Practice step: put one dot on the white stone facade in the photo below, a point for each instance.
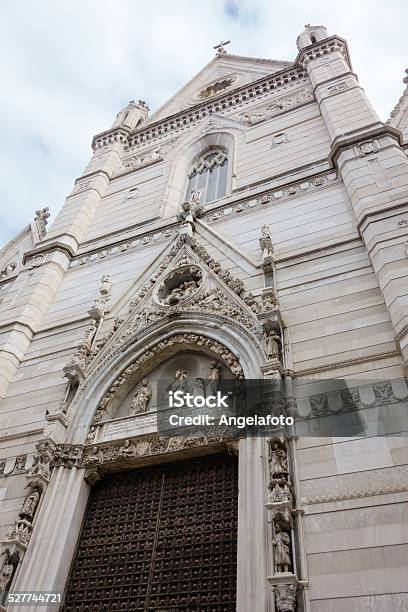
(80, 325)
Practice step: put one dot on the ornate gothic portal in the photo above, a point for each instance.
(160, 539)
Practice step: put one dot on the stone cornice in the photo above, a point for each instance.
(184, 118)
(323, 48)
(117, 134)
(352, 140)
(54, 245)
(224, 212)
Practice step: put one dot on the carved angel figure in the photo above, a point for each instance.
(141, 398)
(281, 543)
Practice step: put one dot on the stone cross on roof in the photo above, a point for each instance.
(220, 46)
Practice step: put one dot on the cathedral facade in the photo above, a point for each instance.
(252, 228)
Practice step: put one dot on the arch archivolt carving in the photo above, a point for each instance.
(154, 355)
(226, 341)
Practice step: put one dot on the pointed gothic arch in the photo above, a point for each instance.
(186, 153)
(211, 334)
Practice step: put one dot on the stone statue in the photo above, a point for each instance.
(141, 398)
(278, 460)
(30, 505)
(5, 576)
(199, 388)
(281, 543)
(90, 332)
(106, 284)
(213, 378)
(180, 381)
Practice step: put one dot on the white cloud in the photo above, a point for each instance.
(68, 67)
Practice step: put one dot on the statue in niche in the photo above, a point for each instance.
(30, 505)
(281, 543)
(278, 460)
(213, 378)
(141, 398)
(180, 382)
(199, 389)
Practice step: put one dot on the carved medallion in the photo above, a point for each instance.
(179, 285)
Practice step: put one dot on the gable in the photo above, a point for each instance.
(224, 73)
(184, 279)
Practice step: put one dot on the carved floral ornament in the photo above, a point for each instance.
(208, 161)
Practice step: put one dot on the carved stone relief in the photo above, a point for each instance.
(280, 506)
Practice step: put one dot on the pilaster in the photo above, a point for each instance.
(374, 169)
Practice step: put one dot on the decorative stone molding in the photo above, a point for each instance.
(98, 455)
(40, 219)
(147, 240)
(67, 455)
(18, 467)
(112, 136)
(235, 284)
(208, 162)
(240, 96)
(226, 211)
(278, 106)
(363, 484)
(270, 198)
(322, 49)
(102, 303)
(147, 158)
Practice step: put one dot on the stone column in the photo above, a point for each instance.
(252, 587)
(374, 169)
(55, 534)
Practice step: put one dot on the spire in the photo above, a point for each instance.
(133, 115)
(311, 35)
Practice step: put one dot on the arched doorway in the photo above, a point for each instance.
(160, 538)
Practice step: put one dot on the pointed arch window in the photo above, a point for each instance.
(209, 176)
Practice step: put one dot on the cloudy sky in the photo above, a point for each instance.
(69, 66)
